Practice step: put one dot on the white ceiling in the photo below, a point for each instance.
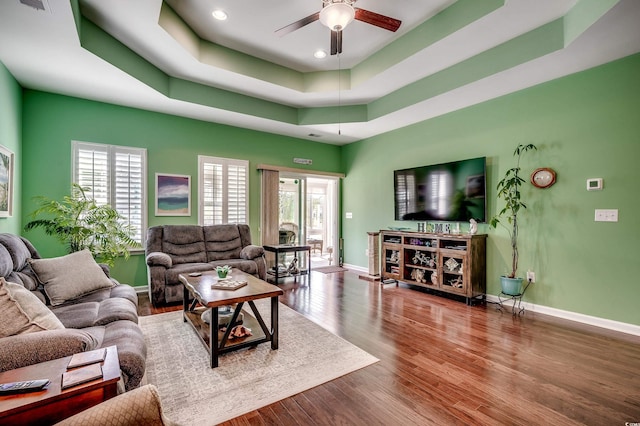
(42, 49)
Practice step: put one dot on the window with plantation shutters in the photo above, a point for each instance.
(116, 175)
(223, 190)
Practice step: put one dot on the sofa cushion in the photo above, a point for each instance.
(123, 291)
(33, 348)
(89, 314)
(246, 266)
(222, 242)
(172, 274)
(20, 250)
(184, 243)
(23, 312)
(15, 253)
(6, 263)
(71, 276)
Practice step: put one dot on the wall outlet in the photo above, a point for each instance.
(366, 252)
(531, 276)
(606, 215)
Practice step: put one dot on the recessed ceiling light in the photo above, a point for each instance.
(220, 15)
(320, 54)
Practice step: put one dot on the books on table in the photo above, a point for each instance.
(228, 284)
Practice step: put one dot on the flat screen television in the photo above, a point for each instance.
(452, 192)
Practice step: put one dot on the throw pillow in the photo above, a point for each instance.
(23, 312)
(71, 276)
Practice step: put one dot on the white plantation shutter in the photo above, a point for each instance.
(223, 190)
(237, 194)
(92, 171)
(128, 194)
(116, 176)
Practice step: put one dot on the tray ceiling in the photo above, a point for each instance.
(173, 57)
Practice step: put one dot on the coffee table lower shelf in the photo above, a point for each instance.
(260, 333)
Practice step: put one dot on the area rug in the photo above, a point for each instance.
(330, 269)
(248, 379)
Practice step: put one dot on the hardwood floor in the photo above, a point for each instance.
(443, 362)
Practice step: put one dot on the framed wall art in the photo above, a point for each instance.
(6, 182)
(173, 195)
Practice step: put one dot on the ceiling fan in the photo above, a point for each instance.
(336, 15)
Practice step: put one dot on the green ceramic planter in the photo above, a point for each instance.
(511, 286)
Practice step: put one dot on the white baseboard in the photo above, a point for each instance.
(143, 289)
(622, 327)
(355, 267)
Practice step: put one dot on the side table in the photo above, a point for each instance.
(53, 404)
(288, 248)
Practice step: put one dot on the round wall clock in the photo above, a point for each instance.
(543, 177)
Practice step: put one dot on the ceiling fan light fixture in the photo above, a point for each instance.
(337, 16)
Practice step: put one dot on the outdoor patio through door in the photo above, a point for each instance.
(308, 215)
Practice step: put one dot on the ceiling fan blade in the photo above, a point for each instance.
(334, 42)
(378, 20)
(298, 24)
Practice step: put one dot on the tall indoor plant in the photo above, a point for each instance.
(509, 190)
(79, 222)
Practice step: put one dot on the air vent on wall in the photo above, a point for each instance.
(36, 4)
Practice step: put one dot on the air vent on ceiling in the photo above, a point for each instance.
(36, 4)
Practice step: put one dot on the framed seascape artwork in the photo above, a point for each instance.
(6, 182)
(173, 195)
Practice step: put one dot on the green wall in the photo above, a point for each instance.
(10, 122)
(173, 144)
(585, 125)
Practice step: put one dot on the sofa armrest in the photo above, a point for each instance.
(32, 348)
(140, 406)
(251, 252)
(105, 269)
(157, 258)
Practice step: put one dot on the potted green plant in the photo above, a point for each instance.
(509, 190)
(223, 271)
(80, 223)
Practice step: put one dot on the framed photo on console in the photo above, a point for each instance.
(6, 182)
(173, 195)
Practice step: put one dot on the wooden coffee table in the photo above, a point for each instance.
(53, 404)
(218, 342)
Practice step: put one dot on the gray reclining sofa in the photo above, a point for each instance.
(105, 314)
(181, 249)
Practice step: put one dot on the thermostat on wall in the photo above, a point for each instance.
(594, 184)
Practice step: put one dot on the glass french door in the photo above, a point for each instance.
(308, 208)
